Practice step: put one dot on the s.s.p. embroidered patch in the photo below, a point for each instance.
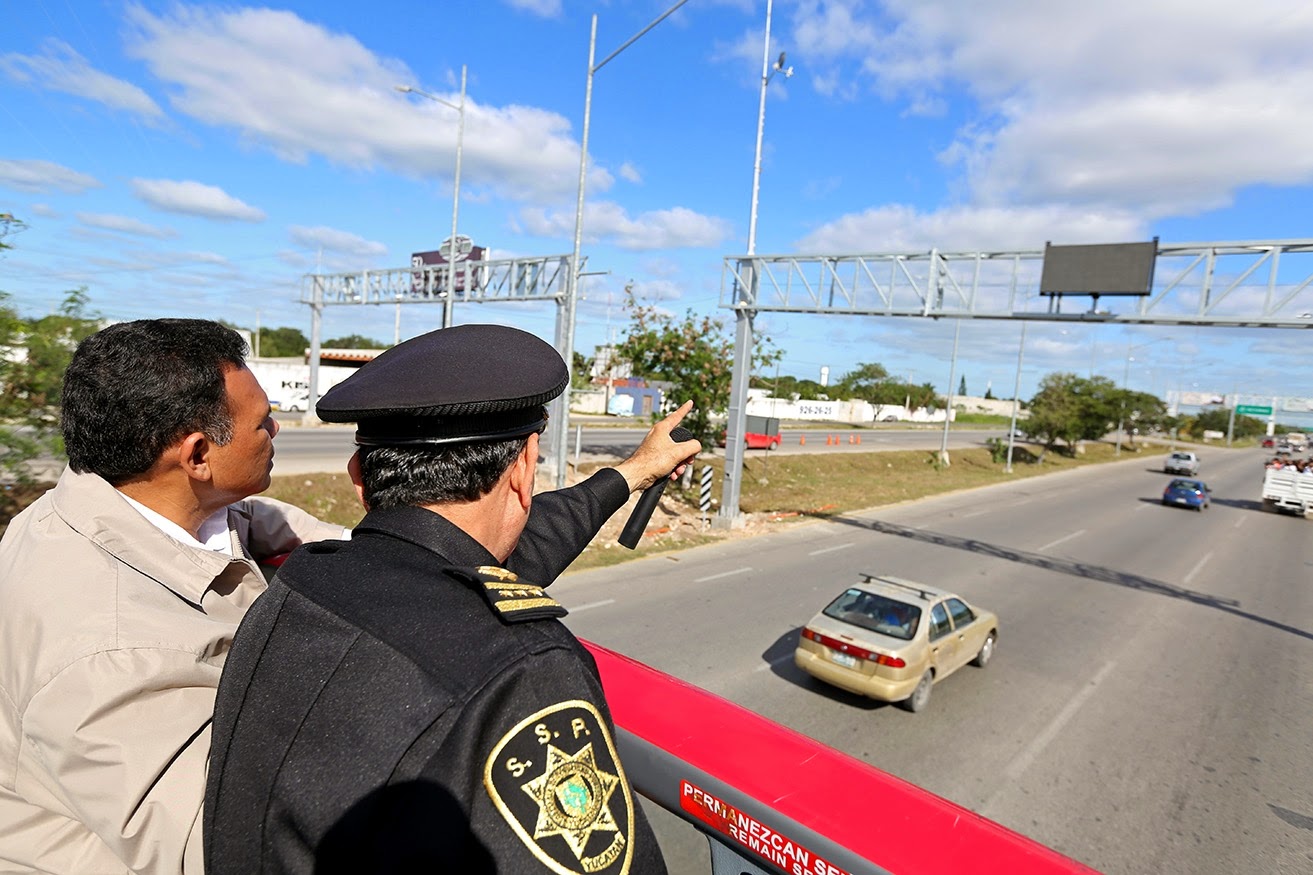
(557, 781)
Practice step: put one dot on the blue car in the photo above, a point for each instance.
(1187, 493)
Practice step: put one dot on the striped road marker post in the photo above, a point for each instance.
(704, 494)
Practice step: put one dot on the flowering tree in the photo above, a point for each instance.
(693, 354)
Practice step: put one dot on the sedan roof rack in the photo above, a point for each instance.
(923, 591)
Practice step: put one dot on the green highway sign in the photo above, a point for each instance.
(1253, 410)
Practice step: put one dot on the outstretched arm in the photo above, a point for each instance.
(562, 522)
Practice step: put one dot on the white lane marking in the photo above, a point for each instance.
(967, 516)
(1240, 522)
(1026, 758)
(1074, 534)
(773, 663)
(722, 574)
(1198, 566)
(600, 604)
(829, 549)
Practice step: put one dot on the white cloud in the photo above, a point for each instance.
(43, 177)
(45, 211)
(125, 225)
(607, 221)
(898, 228)
(335, 241)
(334, 97)
(540, 8)
(630, 173)
(61, 68)
(194, 199)
(1126, 105)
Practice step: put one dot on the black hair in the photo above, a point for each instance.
(407, 477)
(134, 389)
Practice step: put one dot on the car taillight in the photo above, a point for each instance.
(853, 649)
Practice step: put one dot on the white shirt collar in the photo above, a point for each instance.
(213, 532)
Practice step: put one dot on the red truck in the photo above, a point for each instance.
(759, 433)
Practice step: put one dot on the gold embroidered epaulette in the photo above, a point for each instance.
(513, 600)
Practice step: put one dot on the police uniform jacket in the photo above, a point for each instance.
(394, 703)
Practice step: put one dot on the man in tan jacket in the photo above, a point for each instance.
(120, 590)
(122, 587)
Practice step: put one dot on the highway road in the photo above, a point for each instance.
(326, 448)
(1148, 709)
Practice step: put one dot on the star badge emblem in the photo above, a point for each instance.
(556, 780)
(573, 797)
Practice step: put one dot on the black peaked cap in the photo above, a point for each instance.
(460, 384)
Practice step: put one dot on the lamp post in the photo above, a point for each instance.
(455, 196)
(948, 410)
(1126, 388)
(767, 73)
(565, 338)
(1016, 398)
(738, 390)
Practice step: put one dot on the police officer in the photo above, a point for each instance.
(400, 702)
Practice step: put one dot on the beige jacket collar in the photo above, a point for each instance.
(94, 509)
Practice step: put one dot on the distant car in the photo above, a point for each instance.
(1182, 463)
(1269, 443)
(891, 639)
(1187, 493)
(889, 418)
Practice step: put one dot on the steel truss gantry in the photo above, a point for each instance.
(537, 278)
(1247, 284)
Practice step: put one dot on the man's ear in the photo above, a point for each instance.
(353, 471)
(523, 470)
(193, 456)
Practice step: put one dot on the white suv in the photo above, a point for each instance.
(1182, 463)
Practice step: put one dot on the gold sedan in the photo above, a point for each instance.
(891, 639)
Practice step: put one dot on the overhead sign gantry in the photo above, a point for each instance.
(1247, 284)
(536, 278)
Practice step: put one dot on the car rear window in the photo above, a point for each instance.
(875, 613)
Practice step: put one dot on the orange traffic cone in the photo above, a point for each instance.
(802, 439)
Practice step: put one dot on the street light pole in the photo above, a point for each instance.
(565, 328)
(1016, 397)
(736, 411)
(1126, 388)
(455, 196)
(948, 411)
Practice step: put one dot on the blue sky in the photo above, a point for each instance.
(192, 159)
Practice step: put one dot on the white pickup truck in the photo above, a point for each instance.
(1182, 463)
(1286, 489)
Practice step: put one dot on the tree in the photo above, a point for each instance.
(1219, 419)
(580, 369)
(865, 382)
(351, 341)
(962, 386)
(36, 352)
(1069, 408)
(9, 224)
(283, 343)
(693, 354)
(785, 386)
(1140, 411)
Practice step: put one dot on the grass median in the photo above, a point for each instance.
(778, 489)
